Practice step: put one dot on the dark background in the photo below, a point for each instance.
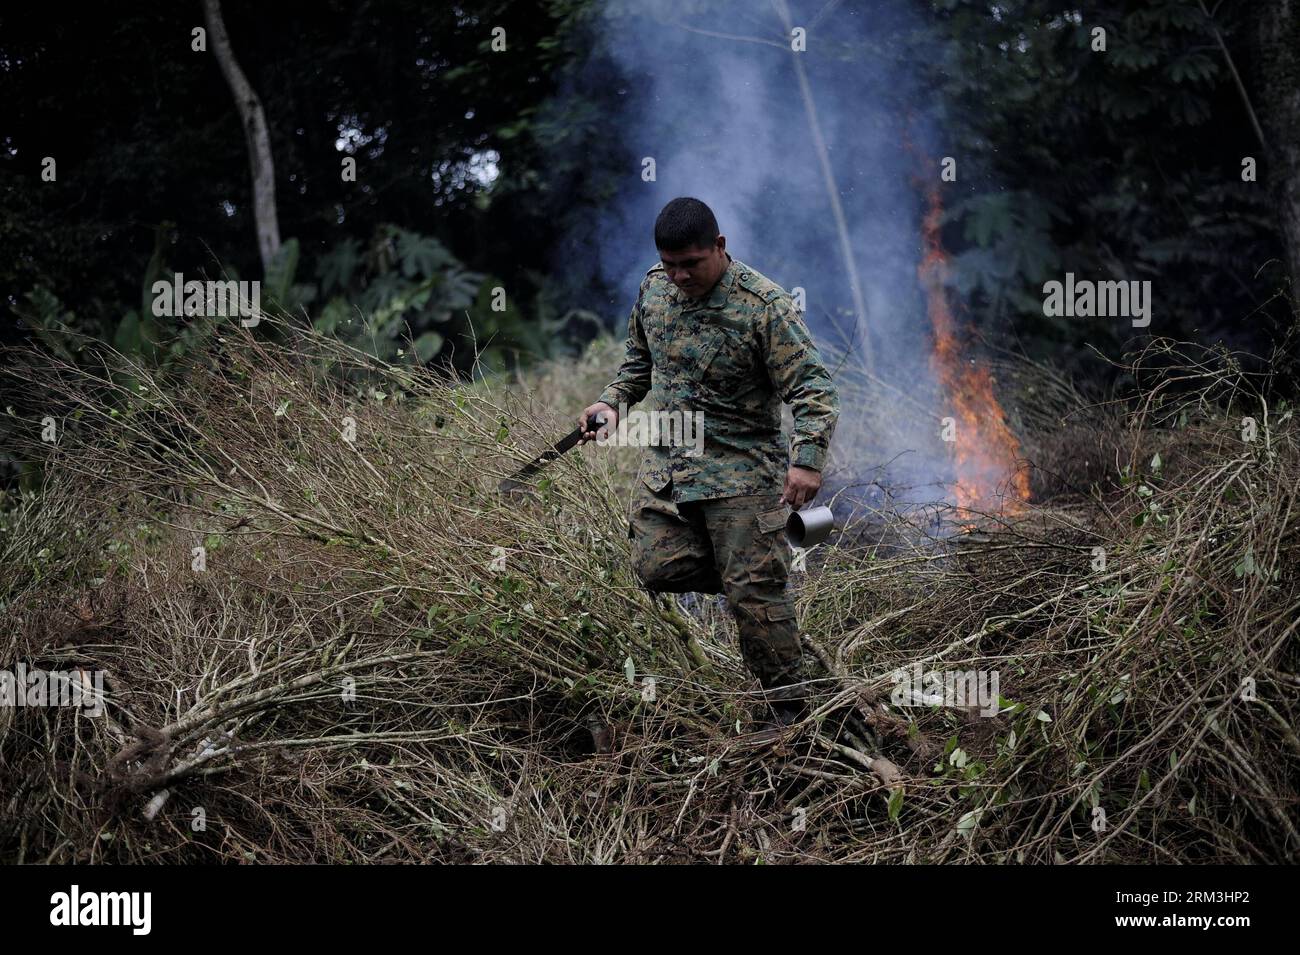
(1122, 165)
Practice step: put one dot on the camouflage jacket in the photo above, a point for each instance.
(731, 359)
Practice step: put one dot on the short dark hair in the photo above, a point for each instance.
(685, 223)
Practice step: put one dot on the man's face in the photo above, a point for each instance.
(695, 271)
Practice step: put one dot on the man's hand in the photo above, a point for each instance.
(587, 423)
(801, 486)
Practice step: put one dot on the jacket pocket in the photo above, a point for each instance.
(781, 612)
(731, 364)
(696, 368)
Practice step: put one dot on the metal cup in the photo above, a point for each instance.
(809, 527)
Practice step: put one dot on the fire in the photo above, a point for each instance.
(985, 454)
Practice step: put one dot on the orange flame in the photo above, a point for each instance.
(985, 454)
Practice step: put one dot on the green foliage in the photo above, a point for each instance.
(443, 128)
(396, 299)
(278, 287)
(142, 337)
(1115, 164)
(406, 297)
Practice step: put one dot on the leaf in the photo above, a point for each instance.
(629, 670)
(335, 268)
(421, 255)
(128, 339)
(427, 346)
(278, 282)
(895, 803)
(1042, 715)
(332, 317)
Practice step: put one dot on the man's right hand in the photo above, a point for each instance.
(586, 422)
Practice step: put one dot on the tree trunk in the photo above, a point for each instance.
(253, 118)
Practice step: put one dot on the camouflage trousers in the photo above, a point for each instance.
(731, 545)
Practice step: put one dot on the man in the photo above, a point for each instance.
(710, 335)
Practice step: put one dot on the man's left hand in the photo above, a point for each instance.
(801, 486)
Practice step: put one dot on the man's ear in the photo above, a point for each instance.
(722, 243)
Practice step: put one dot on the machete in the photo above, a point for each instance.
(515, 481)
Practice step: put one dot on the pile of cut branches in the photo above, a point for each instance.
(325, 637)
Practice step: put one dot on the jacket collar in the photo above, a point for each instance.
(717, 296)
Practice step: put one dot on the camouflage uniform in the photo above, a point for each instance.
(714, 523)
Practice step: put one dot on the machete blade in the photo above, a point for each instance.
(513, 485)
